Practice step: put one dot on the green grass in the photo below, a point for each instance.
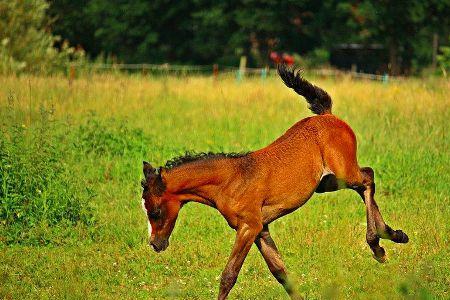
(103, 126)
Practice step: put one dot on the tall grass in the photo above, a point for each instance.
(40, 193)
(102, 126)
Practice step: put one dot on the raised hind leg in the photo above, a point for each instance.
(376, 227)
(362, 181)
(270, 253)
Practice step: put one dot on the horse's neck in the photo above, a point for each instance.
(198, 181)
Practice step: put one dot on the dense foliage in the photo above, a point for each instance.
(26, 45)
(35, 35)
(41, 193)
(205, 31)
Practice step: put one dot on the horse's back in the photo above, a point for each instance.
(312, 138)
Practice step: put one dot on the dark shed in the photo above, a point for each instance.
(372, 58)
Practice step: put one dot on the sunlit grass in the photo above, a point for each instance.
(403, 133)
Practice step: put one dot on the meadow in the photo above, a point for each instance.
(71, 164)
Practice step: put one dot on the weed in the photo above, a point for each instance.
(39, 192)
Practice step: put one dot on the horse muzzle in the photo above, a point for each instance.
(159, 244)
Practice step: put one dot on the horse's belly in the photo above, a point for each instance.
(276, 208)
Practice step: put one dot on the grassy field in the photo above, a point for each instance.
(91, 139)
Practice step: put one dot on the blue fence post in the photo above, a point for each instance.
(239, 75)
(385, 78)
(263, 73)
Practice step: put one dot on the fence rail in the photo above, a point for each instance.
(216, 69)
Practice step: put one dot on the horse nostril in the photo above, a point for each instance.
(154, 246)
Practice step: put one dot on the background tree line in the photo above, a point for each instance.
(207, 32)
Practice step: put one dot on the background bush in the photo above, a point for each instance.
(41, 193)
(26, 44)
(109, 137)
(444, 60)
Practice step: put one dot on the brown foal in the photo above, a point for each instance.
(317, 154)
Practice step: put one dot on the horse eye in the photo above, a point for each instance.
(155, 214)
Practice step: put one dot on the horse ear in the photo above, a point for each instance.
(161, 175)
(159, 184)
(148, 169)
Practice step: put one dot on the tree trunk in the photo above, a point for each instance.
(435, 51)
(393, 58)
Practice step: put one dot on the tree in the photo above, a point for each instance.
(196, 31)
(405, 27)
(207, 31)
(71, 21)
(25, 43)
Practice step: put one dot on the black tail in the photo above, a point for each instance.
(319, 101)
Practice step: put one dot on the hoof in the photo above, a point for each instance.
(400, 237)
(380, 259)
(380, 255)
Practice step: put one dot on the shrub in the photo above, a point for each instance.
(40, 193)
(26, 45)
(110, 137)
(444, 60)
(317, 58)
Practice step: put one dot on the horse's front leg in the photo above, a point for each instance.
(269, 251)
(245, 236)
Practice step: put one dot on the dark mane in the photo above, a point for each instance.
(192, 156)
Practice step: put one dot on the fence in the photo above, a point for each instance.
(215, 70)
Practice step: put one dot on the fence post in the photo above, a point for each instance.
(263, 73)
(242, 65)
(215, 71)
(71, 74)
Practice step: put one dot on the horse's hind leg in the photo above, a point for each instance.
(367, 192)
(354, 180)
(362, 181)
(376, 227)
